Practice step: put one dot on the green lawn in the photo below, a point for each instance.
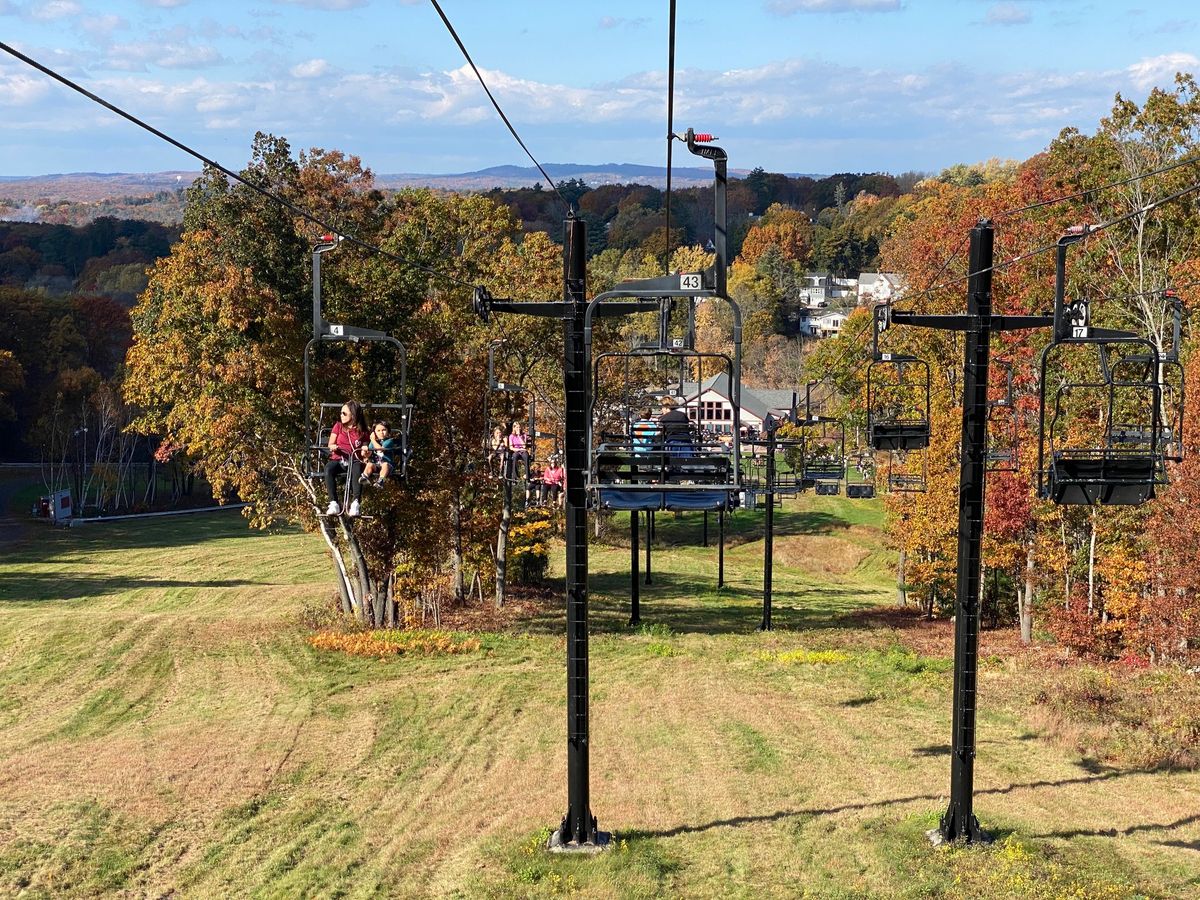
(166, 729)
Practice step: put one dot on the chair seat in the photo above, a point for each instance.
(899, 435)
(1101, 477)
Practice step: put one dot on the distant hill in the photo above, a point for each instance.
(90, 187)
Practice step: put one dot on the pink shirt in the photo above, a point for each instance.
(347, 439)
(553, 475)
(516, 441)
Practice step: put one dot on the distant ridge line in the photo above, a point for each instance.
(94, 186)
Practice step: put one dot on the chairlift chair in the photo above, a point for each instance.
(504, 421)
(789, 456)
(897, 400)
(824, 458)
(1121, 463)
(393, 408)
(1003, 423)
(697, 473)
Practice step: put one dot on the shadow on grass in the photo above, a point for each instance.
(1132, 829)
(46, 544)
(933, 750)
(686, 604)
(25, 587)
(742, 528)
(815, 812)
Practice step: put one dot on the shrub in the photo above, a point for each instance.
(529, 545)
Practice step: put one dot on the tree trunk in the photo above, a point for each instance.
(1025, 603)
(456, 551)
(360, 569)
(343, 582)
(901, 587)
(501, 555)
(1092, 564)
(1062, 528)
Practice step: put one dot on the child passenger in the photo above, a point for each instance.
(381, 450)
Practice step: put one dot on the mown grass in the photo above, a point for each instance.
(165, 727)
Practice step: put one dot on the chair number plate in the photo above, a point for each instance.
(691, 281)
(336, 330)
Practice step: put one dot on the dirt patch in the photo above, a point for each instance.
(935, 637)
(828, 555)
(524, 602)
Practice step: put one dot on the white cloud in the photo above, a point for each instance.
(100, 27)
(1007, 14)
(1160, 70)
(55, 9)
(177, 47)
(835, 123)
(314, 68)
(165, 4)
(788, 7)
(19, 89)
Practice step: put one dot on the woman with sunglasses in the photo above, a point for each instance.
(347, 443)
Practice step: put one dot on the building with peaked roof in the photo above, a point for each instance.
(879, 287)
(710, 404)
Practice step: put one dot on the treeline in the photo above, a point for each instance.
(65, 327)
(108, 256)
(625, 217)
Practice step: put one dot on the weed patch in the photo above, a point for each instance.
(1146, 719)
(385, 644)
(1013, 869)
(802, 657)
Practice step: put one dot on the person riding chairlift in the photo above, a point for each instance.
(347, 450)
(675, 428)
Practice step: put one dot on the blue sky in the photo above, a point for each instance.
(790, 85)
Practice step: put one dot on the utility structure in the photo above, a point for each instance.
(765, 478)
(578, 830)
(1071, 475)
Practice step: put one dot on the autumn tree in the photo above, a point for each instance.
(216, 364)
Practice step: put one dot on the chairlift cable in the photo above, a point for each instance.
(1190, 160)
(302, 213)
(670, 133)
(1090, 230)
(486, 90)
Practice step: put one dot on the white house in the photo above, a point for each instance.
(879, 287)
(827, 324)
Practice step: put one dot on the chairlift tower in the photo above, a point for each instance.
(959, 822)
(1100, 475)
(578, 830)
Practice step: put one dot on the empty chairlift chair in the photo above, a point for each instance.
(898, 389)
(1100, 432)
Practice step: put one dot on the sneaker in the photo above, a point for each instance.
(334, 508)
(381, 482)
(353, 510)
(364, 479)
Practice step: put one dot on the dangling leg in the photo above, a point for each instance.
(354, 486)
(332, 468)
